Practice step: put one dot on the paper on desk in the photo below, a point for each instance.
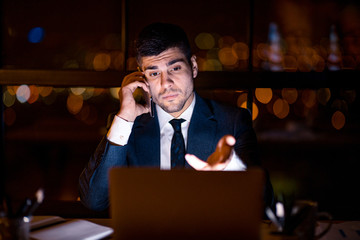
(344, 230)
(73, 230)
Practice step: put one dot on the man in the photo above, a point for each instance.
(140, 136)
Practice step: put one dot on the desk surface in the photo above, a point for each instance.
(339, 229)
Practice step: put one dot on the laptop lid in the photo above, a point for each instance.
(186, 204)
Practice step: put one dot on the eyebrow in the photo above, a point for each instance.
(168, 64)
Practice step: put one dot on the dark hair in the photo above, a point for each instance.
(158, 37)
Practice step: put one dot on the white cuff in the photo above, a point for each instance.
(235, 164)
(119, 131)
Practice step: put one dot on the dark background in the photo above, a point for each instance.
(47, 146)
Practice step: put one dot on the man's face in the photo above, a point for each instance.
(170, 77)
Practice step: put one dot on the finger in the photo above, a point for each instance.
(223, 150)
(134, 85)
(132, 77)
(195, 162)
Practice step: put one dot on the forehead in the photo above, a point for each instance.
(164, 58)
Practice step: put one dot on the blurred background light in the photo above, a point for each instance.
(308, 97)
(77, 90)
(34, 94)
(101, 61)
(205, 41)
(263, 95)
(323, 95)
(23, 93)
(289, 94)
(8, 98)
(74, 103)
(240, 50)
(338, 120)
(36, 35)
(115, 92)
(281, 108)
(227, 56)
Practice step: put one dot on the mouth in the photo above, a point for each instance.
(170, 97)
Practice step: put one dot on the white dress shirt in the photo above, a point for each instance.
(120, 131)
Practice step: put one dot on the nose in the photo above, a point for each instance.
(166, 81)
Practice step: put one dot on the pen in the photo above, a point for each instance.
(24, 208)
(39, 197)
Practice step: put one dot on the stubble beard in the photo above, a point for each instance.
(177, 106)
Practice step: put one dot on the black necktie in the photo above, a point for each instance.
(177, 145)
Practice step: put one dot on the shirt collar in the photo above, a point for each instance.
(165, 117)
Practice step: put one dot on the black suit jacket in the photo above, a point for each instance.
(210, 121)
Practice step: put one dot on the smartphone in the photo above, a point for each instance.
(144, 98)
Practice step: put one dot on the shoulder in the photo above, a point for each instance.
(229, 112)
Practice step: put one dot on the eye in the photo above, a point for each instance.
(177, 68)
(154, 74)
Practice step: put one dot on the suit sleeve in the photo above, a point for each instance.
(93, 181)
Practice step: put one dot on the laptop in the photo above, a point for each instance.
(186, 204)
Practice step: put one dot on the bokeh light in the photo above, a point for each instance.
(74, 103)
(281, 108)
(77, 90)
(115, 92)
(289, 94)
(263, 95)
(212, 65)
(23, 93)
(308, 97)
(36, 35)
(34, 94)
(338, 120)
(205, 41)
(240, 50)
(242, 103)
(101, 61)
(227, 56)
(323, 95)
(8, 98)
(45, 91)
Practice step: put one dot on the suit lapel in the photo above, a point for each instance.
(147, 141)
(202, 130)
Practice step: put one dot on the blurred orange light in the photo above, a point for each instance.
(101, 61)
(323, 95)
(281, 108)
(45, 91)
(255, 110)
(308, 97)
(74, 103)
(34, 94)
(226, 41)
(289, 94)
(240, 50)
(263, 95)
(227, 57)
(338, 120)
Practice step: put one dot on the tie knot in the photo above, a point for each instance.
(176, 124)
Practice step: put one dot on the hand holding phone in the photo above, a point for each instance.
(134, 96)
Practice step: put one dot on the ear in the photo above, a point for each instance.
(194, 66)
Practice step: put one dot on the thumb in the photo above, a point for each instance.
(223, 150)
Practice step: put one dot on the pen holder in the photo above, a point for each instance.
(300, 222)
(14, 228)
